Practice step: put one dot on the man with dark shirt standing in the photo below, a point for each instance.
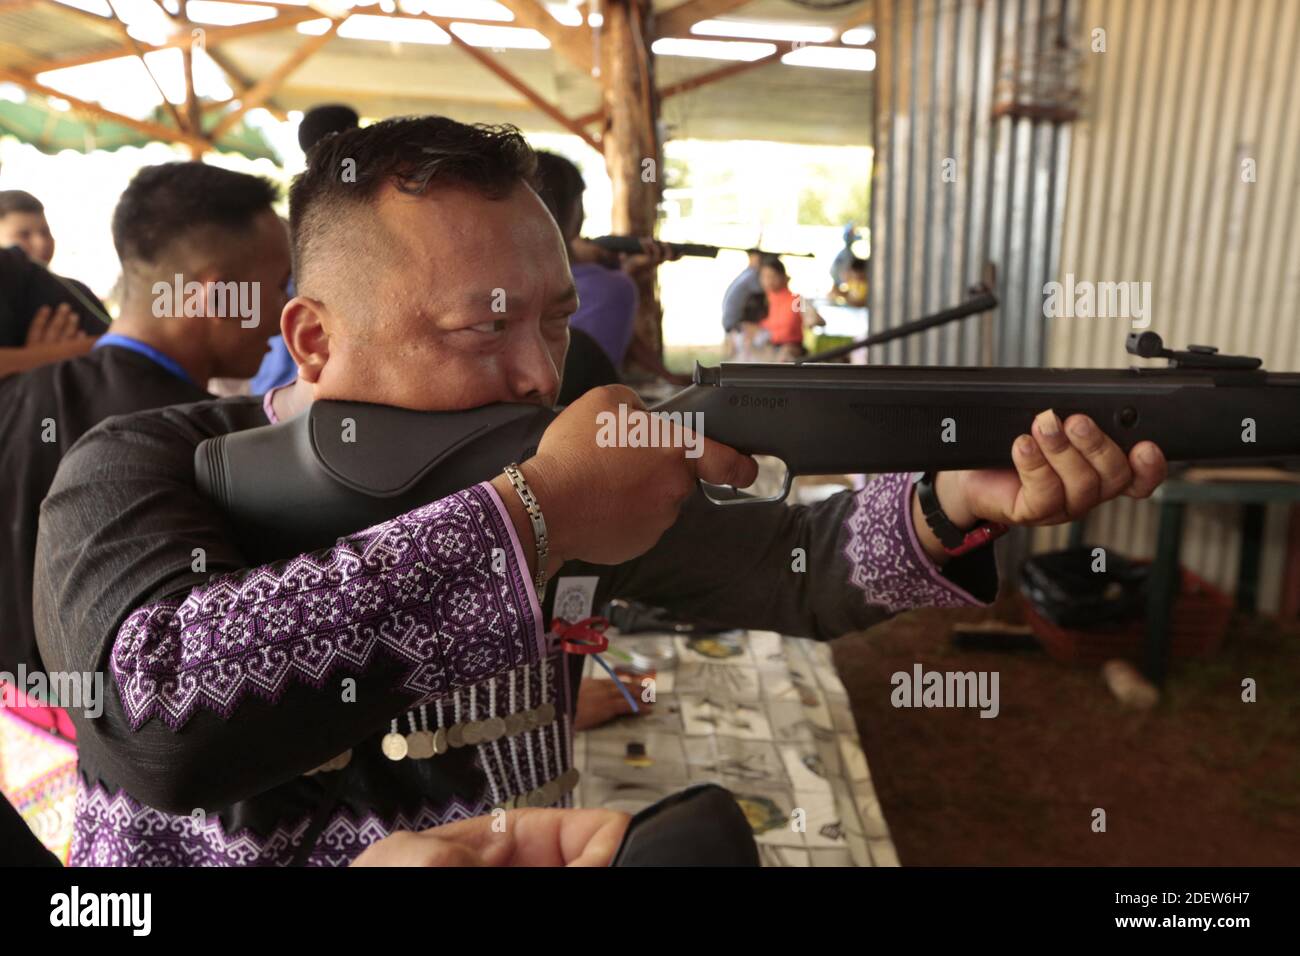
(179, 225)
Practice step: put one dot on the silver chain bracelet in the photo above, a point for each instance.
(534, 510)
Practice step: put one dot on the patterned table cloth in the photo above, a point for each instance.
(764, 716)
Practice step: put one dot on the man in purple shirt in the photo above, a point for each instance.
(608, 307)
(607, 293)
(406, 677)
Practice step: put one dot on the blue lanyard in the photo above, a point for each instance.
(148, 351)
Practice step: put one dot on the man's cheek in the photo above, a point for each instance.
(559, 349)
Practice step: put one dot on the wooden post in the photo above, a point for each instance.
(631, 140)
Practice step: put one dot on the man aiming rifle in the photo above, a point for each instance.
(288, 700)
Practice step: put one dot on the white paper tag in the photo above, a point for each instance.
(574, 598)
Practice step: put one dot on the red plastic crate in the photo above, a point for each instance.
(1198, 624)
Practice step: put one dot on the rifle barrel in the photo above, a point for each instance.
(632, 245)
(985, 301)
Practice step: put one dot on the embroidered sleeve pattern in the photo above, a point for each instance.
(420, 589)
(113, 829)
(886, 560)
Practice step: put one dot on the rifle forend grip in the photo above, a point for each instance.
(841, 419)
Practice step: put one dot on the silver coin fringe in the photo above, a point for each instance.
(522, 748)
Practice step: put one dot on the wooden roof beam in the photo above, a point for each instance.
(526, 91)
(575, 44)
(721, 73)
(238, 82)
(265, 88)
(678, 21)
(139, 50)
(732, 69)
(149, 128)
(8, 5)
(211, 37)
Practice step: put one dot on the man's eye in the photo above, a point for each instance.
(496, 325)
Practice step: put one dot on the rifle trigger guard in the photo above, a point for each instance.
(746, 500)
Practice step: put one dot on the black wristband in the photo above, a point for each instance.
(949, 535)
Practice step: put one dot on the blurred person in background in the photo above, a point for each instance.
(844, 258)
(788, 313)
(23, 224)
(743, 306)
(853, 289)
(278, 367)
(607, 292)
(178, 221)
(43, 317)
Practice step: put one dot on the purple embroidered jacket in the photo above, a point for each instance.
(231, 688)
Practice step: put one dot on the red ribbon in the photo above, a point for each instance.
(977, 538)
(584, 637)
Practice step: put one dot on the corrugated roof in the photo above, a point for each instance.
(32, 34)
(772, 101)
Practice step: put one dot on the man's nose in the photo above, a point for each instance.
(533, 376)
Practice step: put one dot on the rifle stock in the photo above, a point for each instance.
(340, 467)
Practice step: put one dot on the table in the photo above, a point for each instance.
(1251, 488)
(763, 715)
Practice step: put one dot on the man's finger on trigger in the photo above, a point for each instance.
(720, 464)
(1149, 469)
(1107, 459)
(1040, 486)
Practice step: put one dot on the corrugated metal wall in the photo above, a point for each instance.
(953, 187)
(1145, 185)
(1185, 94)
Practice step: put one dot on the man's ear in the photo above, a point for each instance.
(302, 323)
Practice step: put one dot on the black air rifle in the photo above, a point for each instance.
(343, 466)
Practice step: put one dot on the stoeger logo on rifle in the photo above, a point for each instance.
(765, 402)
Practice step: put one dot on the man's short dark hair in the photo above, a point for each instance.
(559, 183)
(16, 200)
(165, 204)
(321, 121)
(348, 171)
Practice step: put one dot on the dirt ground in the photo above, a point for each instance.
(1203, 779)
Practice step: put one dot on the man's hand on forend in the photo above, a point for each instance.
(1061, 474)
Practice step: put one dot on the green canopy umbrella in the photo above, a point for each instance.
(52, 131)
